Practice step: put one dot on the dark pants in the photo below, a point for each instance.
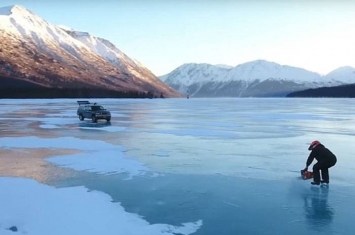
(323, 167)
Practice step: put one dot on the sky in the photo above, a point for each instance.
(315, 35)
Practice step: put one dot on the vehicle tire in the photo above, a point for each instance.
(108, 119)
(81, 117)
(93, 118)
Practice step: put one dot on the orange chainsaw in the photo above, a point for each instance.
(306, 174)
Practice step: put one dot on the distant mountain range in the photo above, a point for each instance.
(253, 79)
(38, 58)
(37, 54)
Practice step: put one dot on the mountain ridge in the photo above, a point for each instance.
(254, 78)
(33, 50)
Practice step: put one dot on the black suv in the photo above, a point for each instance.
(93, 111)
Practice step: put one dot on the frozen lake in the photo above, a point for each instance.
(175, 166)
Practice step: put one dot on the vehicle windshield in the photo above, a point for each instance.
(96, 108)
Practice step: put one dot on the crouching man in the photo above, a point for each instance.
(325, 160)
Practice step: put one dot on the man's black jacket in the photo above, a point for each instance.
(322, 155)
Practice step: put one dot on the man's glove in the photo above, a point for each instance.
(306, 169)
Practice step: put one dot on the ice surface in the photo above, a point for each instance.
(98, 157)
(39, 209)
(224, 166)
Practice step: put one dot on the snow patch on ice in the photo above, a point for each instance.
(35, 208)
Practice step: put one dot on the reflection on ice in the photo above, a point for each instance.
(101, 126)
(24, 162)
(98, 156)
(318, 213)
(98, 124)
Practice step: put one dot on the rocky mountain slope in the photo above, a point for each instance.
(34, 52)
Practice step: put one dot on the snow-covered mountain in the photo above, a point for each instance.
(341, 76)
(253, 79)
(112, 54)
(36, 52)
